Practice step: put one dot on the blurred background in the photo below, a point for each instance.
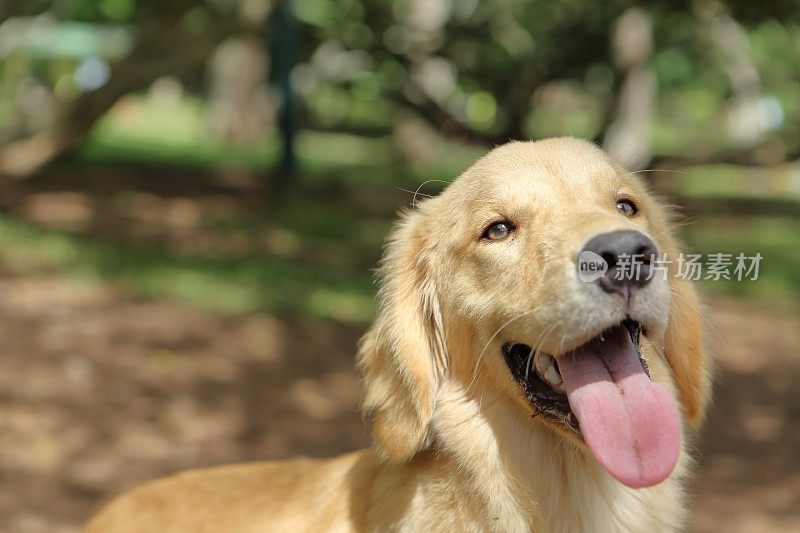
(193, 195)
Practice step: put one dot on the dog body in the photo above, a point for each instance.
(464, 440)
(358, 492)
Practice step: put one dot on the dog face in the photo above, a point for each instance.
(513, 228)
(485, 279)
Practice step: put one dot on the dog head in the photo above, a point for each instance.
(551, 269)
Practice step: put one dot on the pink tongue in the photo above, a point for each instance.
(630, 423)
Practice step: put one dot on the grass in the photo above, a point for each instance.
(141, 130)
(230, 285)
(733, 180)
(774, 238)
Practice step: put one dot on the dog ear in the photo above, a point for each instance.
(685, 343)
(402, 356)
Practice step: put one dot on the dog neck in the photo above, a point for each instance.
(526, 477)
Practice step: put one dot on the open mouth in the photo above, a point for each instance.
(540, 378)
(602, 391)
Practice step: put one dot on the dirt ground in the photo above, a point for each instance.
(99, 392)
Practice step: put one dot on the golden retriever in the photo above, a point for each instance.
(508, 389)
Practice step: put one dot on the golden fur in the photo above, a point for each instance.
(456, 446)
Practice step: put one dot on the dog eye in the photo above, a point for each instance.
(498, 231)
(627, 208)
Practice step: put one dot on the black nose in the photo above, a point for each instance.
(630, 256)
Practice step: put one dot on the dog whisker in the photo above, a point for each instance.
(661, 170)
(528, 363)
(417, 192)
(489, 342)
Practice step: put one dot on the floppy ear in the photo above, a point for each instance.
(402, 356)
(684, 343)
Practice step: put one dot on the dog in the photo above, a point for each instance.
(512, 384)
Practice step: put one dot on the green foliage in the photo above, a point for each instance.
(475, 68)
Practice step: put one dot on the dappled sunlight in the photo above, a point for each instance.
(194, 198)
(210, 246)
(120, 391)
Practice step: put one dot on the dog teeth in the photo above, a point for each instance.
(546, 369)
(553, 378)
(542, 361)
